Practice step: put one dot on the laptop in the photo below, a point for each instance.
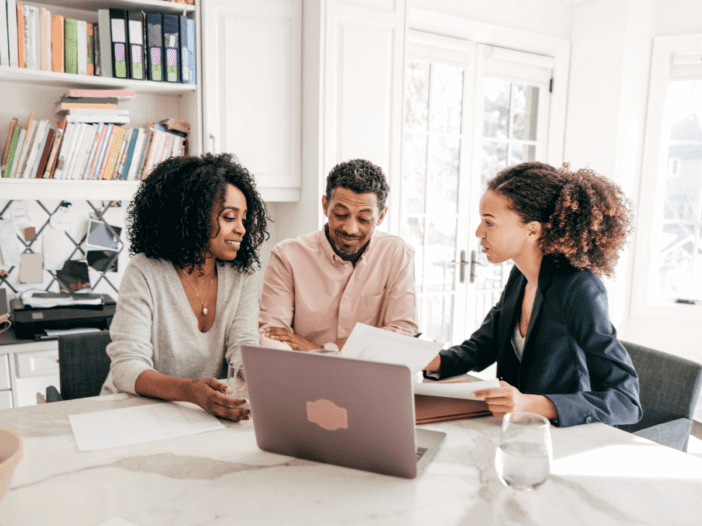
(342, 411)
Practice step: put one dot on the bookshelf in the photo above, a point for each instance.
(26, 91)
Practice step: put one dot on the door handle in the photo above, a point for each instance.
(463, 263)
(473, 263)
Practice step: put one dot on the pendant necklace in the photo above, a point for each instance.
(209, 289)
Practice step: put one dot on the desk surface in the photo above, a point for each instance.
(600, 476)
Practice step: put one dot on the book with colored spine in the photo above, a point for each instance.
(71, 53)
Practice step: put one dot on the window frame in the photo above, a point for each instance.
(652, 184)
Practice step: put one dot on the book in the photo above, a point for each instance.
(123, 153)
(69, 171)
(98, 112)
(32, 170)
(20, 34)
(118, 35)
(90, 100)
(99, 165)
(39, 172)
(135, 36)
(113, 152)
(83, 151)
(38, 135)
(12, 32)
(18, 149)
(116, 119)
(144, 153)
(53, 156)
(25, 141)
(192, 51)
(176, 125)
(96, 50)
(10, 132)
(11, 150)
(94, 157)
(154, 46)
(135, 158)
(92, 93)
(90, 55)
(63, 106)
(68, 137)
(183, 43)
(81, 47)
(57, 38)
(93, 149)
(71, 45)
(31, 37)
(4, 43)
(45, 38)
(171, 38)
(105, 42)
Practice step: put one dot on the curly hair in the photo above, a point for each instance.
(170, 216)
(585, 217)
(360, 176)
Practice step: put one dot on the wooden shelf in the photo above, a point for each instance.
(94, 5)
(68, 80)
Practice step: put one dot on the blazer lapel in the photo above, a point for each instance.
(509, 372)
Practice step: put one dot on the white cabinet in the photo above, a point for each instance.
(252, 88)
(27, 368)
(24, 91)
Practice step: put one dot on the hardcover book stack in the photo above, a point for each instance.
(89, 143)
(126, 44)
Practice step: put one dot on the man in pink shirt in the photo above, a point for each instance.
(318, 286)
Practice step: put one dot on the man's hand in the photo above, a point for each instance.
(507, 399)
(210, 394)
(296, 342)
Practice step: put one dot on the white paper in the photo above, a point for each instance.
(379, 345)
(8, 244)
(453, 388)
(134, 425)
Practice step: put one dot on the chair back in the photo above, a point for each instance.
(668, 386)
(83, 363)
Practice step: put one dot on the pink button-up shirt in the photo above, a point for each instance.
(309, 288)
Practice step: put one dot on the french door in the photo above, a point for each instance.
(469, 111)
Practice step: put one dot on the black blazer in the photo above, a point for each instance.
(571, 352)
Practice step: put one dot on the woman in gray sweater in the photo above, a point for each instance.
(188, 299)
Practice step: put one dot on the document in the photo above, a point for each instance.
(135, 425)
(379, 345)
(454, 387)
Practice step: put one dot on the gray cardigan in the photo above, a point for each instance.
(154, 326)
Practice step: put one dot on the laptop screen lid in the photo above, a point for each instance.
(353, 413)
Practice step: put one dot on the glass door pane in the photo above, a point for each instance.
(433, 127)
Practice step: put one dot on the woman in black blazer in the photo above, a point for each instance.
(556, 350)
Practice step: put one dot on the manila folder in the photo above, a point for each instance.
(428, 409)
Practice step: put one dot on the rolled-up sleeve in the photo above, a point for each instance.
(277, 306)
(131, 350)
(401, 300)
(243, 328)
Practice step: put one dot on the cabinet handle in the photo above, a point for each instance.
(212, 143)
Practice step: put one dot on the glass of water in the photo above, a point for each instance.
(235, 379)
(523, 457)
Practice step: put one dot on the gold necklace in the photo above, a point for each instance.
(209, 292)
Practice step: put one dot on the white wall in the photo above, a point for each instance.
(543, 17)
(610, 72)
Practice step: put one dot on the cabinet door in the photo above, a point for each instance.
(252, 88)
(362, 57)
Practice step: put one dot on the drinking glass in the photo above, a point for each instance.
(235, 379)
(523, 457)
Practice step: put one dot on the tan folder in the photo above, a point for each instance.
(428, 409)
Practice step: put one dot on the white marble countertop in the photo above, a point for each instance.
(600, 476)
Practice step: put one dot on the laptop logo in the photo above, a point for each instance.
(327, 415)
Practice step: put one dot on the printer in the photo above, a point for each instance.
(49, 310)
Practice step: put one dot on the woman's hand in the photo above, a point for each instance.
(508, 399)
(210, 394)
(434, 365)
(297, 343)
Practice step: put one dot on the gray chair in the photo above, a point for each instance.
(83, 365)
(669, 386)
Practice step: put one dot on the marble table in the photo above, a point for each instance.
(601, 476)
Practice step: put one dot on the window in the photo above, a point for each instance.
(669, 227)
